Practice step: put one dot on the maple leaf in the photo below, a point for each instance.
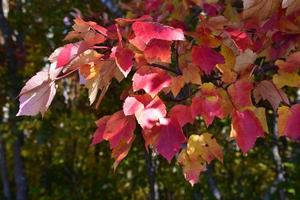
(207, 104)
(244, 60)
(119, 127)
(191, 168)
(158, 51)
(89, 31)
(191, 74)
(292, 63)
(182, 113)
(260, 9)
(266, 90)
(101, 125)
(291, 5)
(152, 81)
(69, 52)
(245, 128)
(170, 137)
(201, 149)
(206, 58)
(240, 93)
(286, 79)
(147, 111)
(37, 95)
(289, 121)
(177, 83)
(146, 31)
(240, 38)
(205, 146)
(124, 59)
(228, 75)
(121, 151)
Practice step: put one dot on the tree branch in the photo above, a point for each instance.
(165, 68)
(280, 178)
(212, 183)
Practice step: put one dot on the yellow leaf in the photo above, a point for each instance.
(286, 79)
(204, 146)
(283, 114)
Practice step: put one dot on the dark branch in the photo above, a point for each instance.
(165, 68)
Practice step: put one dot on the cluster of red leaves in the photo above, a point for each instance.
(232, 62)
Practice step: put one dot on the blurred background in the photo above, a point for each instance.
(51, 157)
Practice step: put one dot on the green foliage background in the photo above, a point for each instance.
(58, 158)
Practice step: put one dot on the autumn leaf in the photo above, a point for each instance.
(246, 128)
(205, 146)
(266, 90)
(146, 31)
(170, 138)
(286, 79)
(201, 149)
(158, 51)
(69, 52)
(191, 168)
(244, 60)
(289, 121)
(101, 125)
(206, 58)
(292, 63)
(37, 95)
(182, 113)
(240, 93)
(207, 104)
(177, 83)
(124, 59)
(147, 111)
(260, 9)
(151, 81)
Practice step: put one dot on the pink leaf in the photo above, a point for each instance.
(146, 31)
(124, 59)
(182, 113)
(147, 111)
(37, 95)
(246, 127)
(170, 138)
(98, 135)
(151, 81)
(119, 127)
(69, 52)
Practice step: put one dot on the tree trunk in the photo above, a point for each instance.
(4, 172)
(14, 82)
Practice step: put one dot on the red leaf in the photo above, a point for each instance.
(151, 81)
(182, 113)
(207, 104)
(170, 138)
(246, 128)
(147, 111)
(146, 31)
(98, 135)
(240, 93)
(240, 38)
(206, 58)
(119, 127)
(69, 52)
(124, 59)
(291, 124)
(158, 51)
